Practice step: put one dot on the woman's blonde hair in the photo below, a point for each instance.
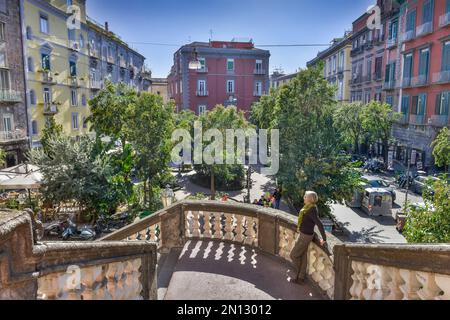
(312, 196)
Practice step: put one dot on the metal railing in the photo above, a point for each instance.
(50, 109)
(441, 77)
(407, 82)
(419, 81)
(389, 85)
(202, 93)
(202, 70)
(74, 45)
(409, 35)
(47, 77)
(440, 120)
(418, 119)
(259, 71)
(6, 136)
(10, 96)
(424, 29)
(391, 42)
(444, 20)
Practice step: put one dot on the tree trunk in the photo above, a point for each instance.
(145, 194)
(356, 145)
(385, 151)
(213, 185)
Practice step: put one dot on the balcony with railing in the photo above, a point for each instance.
(407, 82)
(110, 60)
(94, 53)
(96, 84)
(258, 93)
(74, 45)
(355, 51)
(259, 72)
(191, 249)
(417, 119)
(440, 120)
(10, 96)
(377, 76)
(424, 29)
(123, 63)
(48, 78)
(12, 136)
(409, 35)
(367, 78)
(50, 109)
(391, 43)
(202, 93)
(441, 77)
(403, 119)
(444, 20)
(73, 81)
(389, 85)
(202, 70)
(420, 81)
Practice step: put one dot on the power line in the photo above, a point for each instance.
(261, 45)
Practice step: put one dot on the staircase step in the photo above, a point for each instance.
(166, 266)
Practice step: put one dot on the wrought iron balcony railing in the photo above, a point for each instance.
(50, 109)
(10, 96)
(202, 93)
(420, 81)
(440, 120)
(8, 136)
(424, 29)
(409, 35)
(417, 119)
(441, 77)
(444, 20)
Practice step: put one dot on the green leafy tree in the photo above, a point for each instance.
(223, 118)
(51, 131)
(2, 157)
(348, 120)
(310, 144)
(111, 110)
(86, 172)
(378, 120)
(441, 149)
(430, 224)
(150, 136)
(263, 112)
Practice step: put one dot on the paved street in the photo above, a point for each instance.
(358, 225)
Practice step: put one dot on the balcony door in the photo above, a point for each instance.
(201, 87)
(47, 96)
(8, 124)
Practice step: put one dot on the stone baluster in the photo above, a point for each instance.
(429, 289)
(394, 284)
(89, 277)
(250, 231)
(114, 274)
(359, 280)
(153, 233)
(239, 234)
(377, 283)
(443, 282)
(228, 227)
(195, 224)
(217, 226)
(207, 234)
(48, 287)
(131, 280)
(410, 285)
(144, 234)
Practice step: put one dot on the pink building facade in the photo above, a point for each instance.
(231, 73)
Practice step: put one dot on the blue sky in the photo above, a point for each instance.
(265, 21)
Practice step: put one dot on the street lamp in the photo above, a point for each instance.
(167, 196)
(408, 156)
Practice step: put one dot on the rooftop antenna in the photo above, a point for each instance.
(210, 34)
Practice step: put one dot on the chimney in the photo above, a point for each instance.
(106, 26)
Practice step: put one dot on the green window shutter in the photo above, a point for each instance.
(405, 104)
(446, 103)
(446, 56)
(423, 62)
(411, 21)
(447, 8)
(387, 75)
(408, 66)
(393, 72)
(422, 104)
(437, 110)
(427, 13)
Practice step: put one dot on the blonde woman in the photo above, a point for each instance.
(308, 219)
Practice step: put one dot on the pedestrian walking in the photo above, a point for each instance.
(277, 195)
(308, 219)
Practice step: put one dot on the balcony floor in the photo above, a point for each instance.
(220, 271)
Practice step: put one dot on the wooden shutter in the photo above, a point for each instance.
(437, 110)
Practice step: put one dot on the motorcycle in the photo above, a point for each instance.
(72, 232)
(374, 166)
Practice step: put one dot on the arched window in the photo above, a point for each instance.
(29, 33)
(32, 97)
(34, 127)
(81, 41)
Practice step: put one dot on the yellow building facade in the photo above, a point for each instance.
(57, 65)
(337, 66)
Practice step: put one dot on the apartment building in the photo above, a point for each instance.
(425, 79)
(159, 86)
(110, 58)
(13, 111)
(231, 73)
(337, 65)
(278, 79)
(368, 49)
(68, 62)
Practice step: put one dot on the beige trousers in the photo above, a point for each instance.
(299, 255)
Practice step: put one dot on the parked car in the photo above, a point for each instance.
(378, 183)
(420, 184)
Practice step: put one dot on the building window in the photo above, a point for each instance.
(44, 24)
(2, 58)
(34, 127)
(427, 11)
(390, 100)
(419, 104)
(342, 61)
(202, 62)
(230, 65)
(405, 105)
(81, 41)
(443, 103)
(47, 96)
(32, 97)
(73, 68)
(334, 64)
(4, 80)
(446, 57)
(181, 86)
(74, 98)
(45, 62)
(75, 121)
(201, 87)
(258, 88)
(230, 86)
(202, 109)
(29, 33)
(2, 31)
(83, 100)
(259, 66)
(30, 64)
(69, 3)
(378, 67)
(84, 123)
(393, 30)
(411, 21)
(8, 123)
(424, 61)
(408, 68)
(3, 6)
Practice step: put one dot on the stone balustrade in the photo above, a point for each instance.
(271, 231)
(72, 270)
(392, 272)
